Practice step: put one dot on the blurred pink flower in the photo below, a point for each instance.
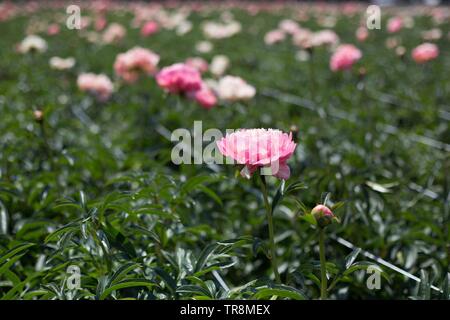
(362, 34)
(114, 33)
(131, 64)
(425, 52)
(274, 36)
(100, 85)
(179, 78)
(344, 57)
(394, 24)
(324, 37)
(149, 28)
(53, 29)
(198, 63)
(289, 26)
(100, 23)
(204, 96)
(256, 148)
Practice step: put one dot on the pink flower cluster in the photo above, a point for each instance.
(149, 28)
(257, 148)
(394, 24)
(131, 64)
(181, 78)
(344, 57)
(100, 85)
(425, 52)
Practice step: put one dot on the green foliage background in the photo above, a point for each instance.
(93, 185)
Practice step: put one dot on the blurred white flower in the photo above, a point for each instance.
(32, 43)
(302, 55)
(204, 46)
(217, 30)
(58, 63)
(183, 28)
(219, 65)
(231, 88)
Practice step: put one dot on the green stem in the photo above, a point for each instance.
(323, 268)
(273, 257)
(312, 76)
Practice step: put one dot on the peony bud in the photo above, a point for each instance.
(323, 215)
(38, 115)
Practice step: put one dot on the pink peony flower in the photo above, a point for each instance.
(394, 24)
(324, 37)
(53, 29)
(149, 28)
(344, 57)
(274, 36)
(100, 23)
(100, 85)
(114, 33)
(425, 52)
(131, 64)
(198, 63)
(257, 148)
(179, 78)
(362, 34)
(204, 96)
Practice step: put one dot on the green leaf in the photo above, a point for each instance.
(121, 272)
(12, 252)
(3, 219)
(280, 291)
(424, 286)
(204, 255)
(194, 289)
(352, 257)
(128, 283)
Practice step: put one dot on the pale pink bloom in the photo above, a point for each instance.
(344, 57)
(100, 23)
(53, 29)
(324, 37)
(274, 36)
(58, 63)
(100, 85)
(289, 26)
(114, 33)
(204, 96)
(204, 46)
(303, 38)
(131, 64)
(230, 88)
(149, 28)
(179, 78)
(256, 148)
(394, 24)
(392, 42)
(425, 52)
(433, 34)
(219, 65)
(362, 34)
(198, 63)
(217, 30)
